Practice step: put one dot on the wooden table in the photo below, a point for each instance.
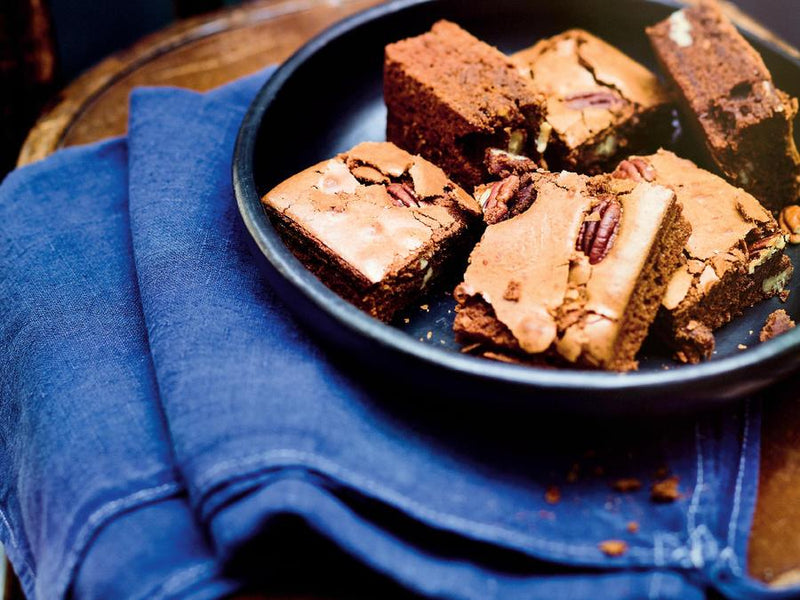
(205, 52)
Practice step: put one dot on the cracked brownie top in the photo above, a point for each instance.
(375, 206)
(591, 88)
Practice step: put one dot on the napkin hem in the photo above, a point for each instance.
(97, 519)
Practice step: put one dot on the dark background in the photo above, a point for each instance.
(88, 30)
(45, 44)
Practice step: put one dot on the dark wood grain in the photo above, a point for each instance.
(204, 52)
(27, 71)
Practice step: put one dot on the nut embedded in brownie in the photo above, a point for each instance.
(601, 104)
(734, 257)
(577, 278)
(730, 100)
(451, 96)
(376, 224)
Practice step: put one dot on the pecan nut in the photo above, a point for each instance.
(790, 222)
(594, 99)
(599, 230)
(763, 243)
(637, 169)
(495, 208)
(502, 164)
(402, 194)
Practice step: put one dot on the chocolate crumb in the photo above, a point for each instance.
(632, 526)
(552, 495)
(662, 472)
(778, 322)
(665, 490)
(574, 472)
(625, 485)
(512, 292)
(613, 547)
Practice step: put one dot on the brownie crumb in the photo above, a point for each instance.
(777, 323)
(552, 495)
(629, 484)
(574, 473)
(665, 490)
(613, 547)
(662, 472)
(632, 527)
(512, 291)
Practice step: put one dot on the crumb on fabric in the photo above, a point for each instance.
(665, 490)
(552, 495)
(613, 547)
(627, 484)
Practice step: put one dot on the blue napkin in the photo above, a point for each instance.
(451, 501)
(89, 485)
(115, 327)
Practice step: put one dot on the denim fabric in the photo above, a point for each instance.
(82, 437)
(155, 392)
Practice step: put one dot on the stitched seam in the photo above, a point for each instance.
(737, 494)
(102, 514)
(176, 582)
(328, 467)
(655, 586)
(699, 481)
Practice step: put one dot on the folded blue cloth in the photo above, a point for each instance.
(264, 428)
(89, 484)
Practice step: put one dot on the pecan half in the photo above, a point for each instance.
(403, 194)
(502, 164)
(765, 242)
(496, 206)
(790, 222)
(595, 99)
(636, 169)
(599, 230)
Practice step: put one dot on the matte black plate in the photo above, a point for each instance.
(328, 97)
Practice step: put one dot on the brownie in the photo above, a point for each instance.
(375, 224)
(577, 278)
(450, 97)
(734, 257)
(730, 100)
(601, 104)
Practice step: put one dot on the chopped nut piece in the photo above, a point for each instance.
(613, 547)
(777, 323)
(552, 495)
(742, 347)
(665, 490)
(783, 295)
(512, 291)
(790, 222)
(632, 526)
(630, 484)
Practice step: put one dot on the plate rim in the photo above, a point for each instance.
(266, 238)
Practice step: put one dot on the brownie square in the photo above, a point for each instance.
(375, 224)
(450, 97)
(601, 104)
(734, 257)
(577, 278)
(730, 100)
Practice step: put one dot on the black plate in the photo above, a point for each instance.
(328, 97)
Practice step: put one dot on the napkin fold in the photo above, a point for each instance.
(159, 401)
(89, 484)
